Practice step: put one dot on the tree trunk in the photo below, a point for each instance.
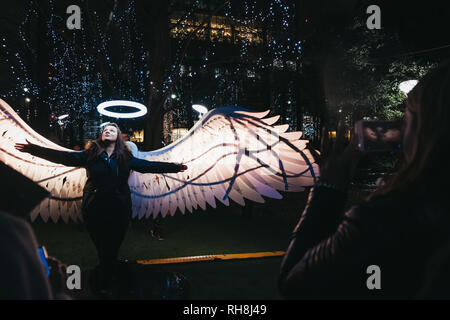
(159, 59)
(41, 121)
(299, 12)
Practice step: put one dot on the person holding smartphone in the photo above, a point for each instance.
(331, 253)
(106, 204)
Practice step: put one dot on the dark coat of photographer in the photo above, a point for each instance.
(335, 255)
(22, 274)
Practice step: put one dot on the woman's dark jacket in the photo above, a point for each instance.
(329, 254)
(104, 175)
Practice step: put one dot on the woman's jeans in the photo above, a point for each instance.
(107, 220)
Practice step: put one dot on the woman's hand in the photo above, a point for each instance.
(25, 147)
(338, 163)
(182, 167)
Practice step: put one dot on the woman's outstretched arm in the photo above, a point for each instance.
(67, 158)
(145, 166)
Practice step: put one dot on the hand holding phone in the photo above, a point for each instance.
(339, 159)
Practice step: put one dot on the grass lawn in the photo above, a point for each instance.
(215, 231)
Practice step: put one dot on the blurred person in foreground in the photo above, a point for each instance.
(397, 229)
(22, 273)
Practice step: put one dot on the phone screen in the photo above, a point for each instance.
(379, 136)
(43, 256)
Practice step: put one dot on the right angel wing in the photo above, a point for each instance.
(64, 183)
(231, 153)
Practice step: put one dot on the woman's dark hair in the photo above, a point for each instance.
(97, 147)
(428, 168)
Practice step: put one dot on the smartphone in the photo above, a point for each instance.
(379, 136)
(43, 256)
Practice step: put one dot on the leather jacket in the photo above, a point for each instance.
(329, 254)
(104, 176)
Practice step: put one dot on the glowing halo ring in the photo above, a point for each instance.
(101, 108)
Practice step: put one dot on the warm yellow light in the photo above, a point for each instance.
(137, 136)
(178, 133)
(332, 134)
(218, 30)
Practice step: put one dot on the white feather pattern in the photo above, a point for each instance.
(47, 174)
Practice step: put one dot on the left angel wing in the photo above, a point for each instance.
(232, 152)
(65, 184)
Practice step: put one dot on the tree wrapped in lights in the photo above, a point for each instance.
(262, 38)
(127, 50)
(70, 72)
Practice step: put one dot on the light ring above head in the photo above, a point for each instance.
(101, 108)
(200, 108)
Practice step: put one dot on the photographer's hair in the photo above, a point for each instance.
(97, 147)
(428, 167)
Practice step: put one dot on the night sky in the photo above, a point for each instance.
(421, 26)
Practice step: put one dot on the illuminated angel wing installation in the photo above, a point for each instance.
(65, 184)
(231, 153)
